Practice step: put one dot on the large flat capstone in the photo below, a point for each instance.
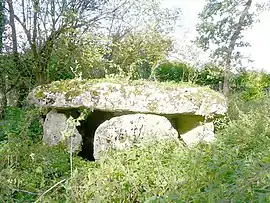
(136, 96)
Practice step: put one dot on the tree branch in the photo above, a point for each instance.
(27, 32)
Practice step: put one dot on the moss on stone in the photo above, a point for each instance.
(73, 88)
(39, 94)
(72, 94)
(153, 106)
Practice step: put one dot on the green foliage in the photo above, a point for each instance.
(252, 84)
(221, 32)
(29, 169)
(79, 44)
(175, 71)
(249, 85)
(210, 75)
(80, 57)
(236, 168)
(136, 55)
(25, 163)
(21, 124)
(2, 25)
(225, 30)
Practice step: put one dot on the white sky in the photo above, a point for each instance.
(258, 36)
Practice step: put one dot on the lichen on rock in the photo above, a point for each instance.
(136, 96)
(55, 127)
(189, 108)
(123, 132)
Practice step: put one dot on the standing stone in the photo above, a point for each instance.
(123, 132)
(204, 132)
(55, 127)
(193, 129)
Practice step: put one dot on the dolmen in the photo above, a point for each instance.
(123, 114)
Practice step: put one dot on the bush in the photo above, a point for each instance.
(236, 168)
(251, 84)
(21, 124)
(28, 167)
(175, 71)
(210, 75)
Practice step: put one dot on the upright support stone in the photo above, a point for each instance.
(55, 126)
(123, 132)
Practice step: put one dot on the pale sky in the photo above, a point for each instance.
(258, 36)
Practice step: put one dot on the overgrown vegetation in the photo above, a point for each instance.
(236, 168)
(129, 39)
(248, 84)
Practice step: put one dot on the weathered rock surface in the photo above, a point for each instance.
(123, 132)
(55, 128)
(139, 97)
(193, 129)
(135, 111)
(204, 132)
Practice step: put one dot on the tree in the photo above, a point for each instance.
(2, 25)
(137, 15)
(138, 54)
(44, 23)
(141, 29)
(221, 28)
(3, 100)
(263, 6)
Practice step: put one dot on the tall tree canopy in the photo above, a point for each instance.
(221, 31)
(44, 24)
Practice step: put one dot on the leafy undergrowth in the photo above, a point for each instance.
(234, 169)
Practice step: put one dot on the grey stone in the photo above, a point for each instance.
(56, 128)
(191, 109)
(138, 97)
(123, 132)
(193, 129)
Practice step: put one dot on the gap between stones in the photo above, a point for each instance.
(88, 127)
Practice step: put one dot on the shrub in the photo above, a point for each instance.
(20, 124)
(236, 168)
(251, 84)
(28, 167)
(175, 71)
(210, 75)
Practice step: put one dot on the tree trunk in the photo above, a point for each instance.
(15, 53)
(235, 36)
(2, 25)
(13, 28)
(13, 34)
(3, 98)
(226, 82)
